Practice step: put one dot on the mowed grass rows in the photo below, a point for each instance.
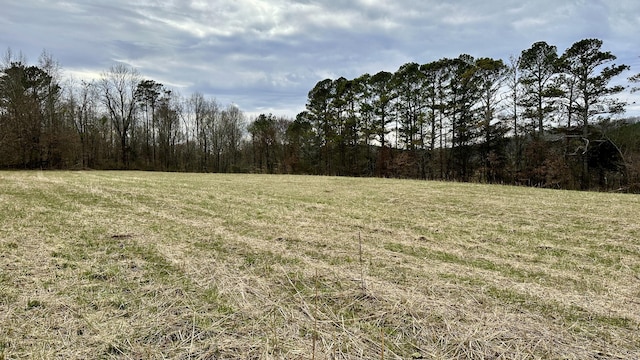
(203, 266)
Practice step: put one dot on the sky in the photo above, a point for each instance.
(265, 55)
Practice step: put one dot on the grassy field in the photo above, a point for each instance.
(137, 265)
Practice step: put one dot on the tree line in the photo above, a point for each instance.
(121, 121)
(541, 119)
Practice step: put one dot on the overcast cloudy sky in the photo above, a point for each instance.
(265, 55)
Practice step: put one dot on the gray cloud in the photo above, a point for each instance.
(265, 55)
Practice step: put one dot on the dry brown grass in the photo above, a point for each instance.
(140, 265)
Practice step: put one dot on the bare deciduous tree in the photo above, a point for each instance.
(118, 85)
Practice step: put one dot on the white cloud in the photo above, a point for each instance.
(267, 54)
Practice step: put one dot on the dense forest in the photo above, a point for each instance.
(539, 119)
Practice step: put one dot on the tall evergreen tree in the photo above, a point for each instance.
(491, 76)
(437, 76)
(147, 95)
(408, 84)
(592, 69)
(463, 95)
(26, 96)
(265, 142)
(539, 67)
(322, 115)
(382, 103)
(301, 156)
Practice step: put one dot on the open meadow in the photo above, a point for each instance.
(141, 265)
